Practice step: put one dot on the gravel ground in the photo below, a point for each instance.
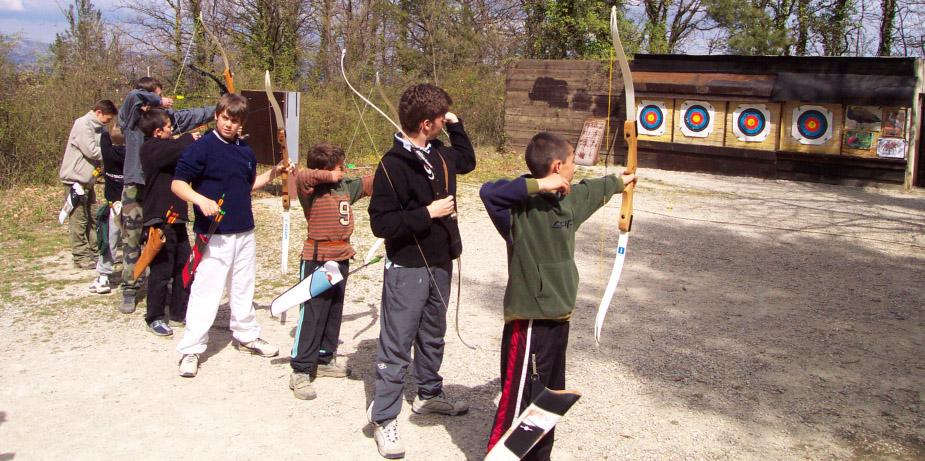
(754, 320)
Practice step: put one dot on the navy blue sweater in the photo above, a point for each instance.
(213, 167)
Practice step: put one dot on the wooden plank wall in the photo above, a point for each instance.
(546, 95)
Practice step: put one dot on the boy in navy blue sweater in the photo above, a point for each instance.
(222, 166)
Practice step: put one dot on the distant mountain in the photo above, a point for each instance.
(28, 51)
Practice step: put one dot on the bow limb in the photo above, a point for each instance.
(229, 77)
(626, 209)
(281, 138)
(386, 98)
(221, 85)
(363, 98)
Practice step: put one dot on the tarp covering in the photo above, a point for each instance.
(863, 90)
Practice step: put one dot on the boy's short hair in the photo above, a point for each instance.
(422, 102)
(149, 84)
(106, 107)
(115, 134)
(153, 119)
(234, 104)
(543, 149)
(324, 156)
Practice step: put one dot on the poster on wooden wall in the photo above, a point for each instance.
(894, 124)
(589, 143)
(865, 118)
(891, 148)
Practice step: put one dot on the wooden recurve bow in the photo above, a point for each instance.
(626, 209)
(281, 138)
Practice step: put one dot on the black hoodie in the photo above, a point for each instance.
(402, 189)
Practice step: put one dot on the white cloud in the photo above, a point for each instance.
(11, 5)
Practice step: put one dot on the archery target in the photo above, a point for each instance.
(697, 119)
(652, 117)
(751, 122)
(812, 125)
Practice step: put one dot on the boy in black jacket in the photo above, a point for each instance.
(159, 155)
(413, 209)
(112, 147)
(538, 215)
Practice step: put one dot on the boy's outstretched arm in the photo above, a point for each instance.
(499, 196)
(187, 119)
(263, 178)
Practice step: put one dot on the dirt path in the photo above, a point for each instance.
(754, 320)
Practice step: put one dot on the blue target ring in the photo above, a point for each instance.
(812, 124)
(751, 122)
(697, 118)
(651, 117)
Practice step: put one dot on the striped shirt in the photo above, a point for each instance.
(328, 213)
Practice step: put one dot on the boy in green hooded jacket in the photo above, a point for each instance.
(538, 215)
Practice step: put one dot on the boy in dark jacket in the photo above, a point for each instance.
(147, 94)
(326, 197)
(112, 146)
(413, 209)
(159, 155)
(538, 215)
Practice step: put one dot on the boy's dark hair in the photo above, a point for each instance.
(153, 119)
(106, 107)
(149, 84)
(543, 149)
(324, 156)
(422, 102)
(234, 104)
(115, 134)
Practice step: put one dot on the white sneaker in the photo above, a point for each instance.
(261, 348)
(100, 287)
(189, 365)
(388, 441)
(441, 404)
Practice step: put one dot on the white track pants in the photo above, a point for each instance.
(230, 263)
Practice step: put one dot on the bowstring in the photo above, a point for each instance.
(600, 283)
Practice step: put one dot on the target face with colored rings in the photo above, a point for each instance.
(651, 117)
(812, 124)
(750, 122)
(696, 119)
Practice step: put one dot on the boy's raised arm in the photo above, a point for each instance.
(459, 141)
(187, 119)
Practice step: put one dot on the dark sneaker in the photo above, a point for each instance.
(332, 370)
(441, 404)
(301, 385)
(261, 348)
(128, 301)
(159, 328)
(189, 365)
(388, 441)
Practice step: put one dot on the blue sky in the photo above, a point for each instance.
(40, 19)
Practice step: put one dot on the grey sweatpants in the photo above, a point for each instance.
(413, 313)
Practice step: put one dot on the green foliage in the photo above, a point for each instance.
(751, 28)
(38, 107)
(569, 29)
